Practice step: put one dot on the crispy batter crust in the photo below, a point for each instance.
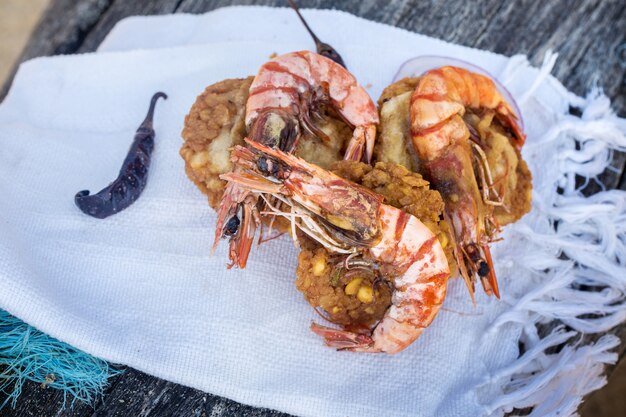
(214, 125)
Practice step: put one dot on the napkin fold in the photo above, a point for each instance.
(140, 288)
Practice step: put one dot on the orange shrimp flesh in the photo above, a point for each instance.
(455, 167)
(351, 220)
(285, 99)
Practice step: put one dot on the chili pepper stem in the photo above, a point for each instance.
(147, 123)
(322, 48)
(294, 6)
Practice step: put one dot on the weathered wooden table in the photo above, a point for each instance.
(588, 34)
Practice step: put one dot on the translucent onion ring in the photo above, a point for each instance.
(417, 66)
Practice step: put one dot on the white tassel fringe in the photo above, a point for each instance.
(583, 284)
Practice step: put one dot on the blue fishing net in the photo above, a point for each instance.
(26, 354)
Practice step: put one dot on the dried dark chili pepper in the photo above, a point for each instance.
(323, 49)
(132, 177)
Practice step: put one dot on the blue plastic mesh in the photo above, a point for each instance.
(26, 354)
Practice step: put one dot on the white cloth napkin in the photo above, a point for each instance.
(140, 288)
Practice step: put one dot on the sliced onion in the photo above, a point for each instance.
(417, 66)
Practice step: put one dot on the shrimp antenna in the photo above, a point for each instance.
(323, 49)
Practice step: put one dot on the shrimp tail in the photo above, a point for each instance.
(342, 339)
(361, 146)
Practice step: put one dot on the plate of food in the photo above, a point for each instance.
(380, 216)
(366, 230)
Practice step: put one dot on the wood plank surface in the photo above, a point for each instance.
(589, 36)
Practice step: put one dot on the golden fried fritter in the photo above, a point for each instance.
(356, 298)
(213, 126)
(336, 294)
(394, 145)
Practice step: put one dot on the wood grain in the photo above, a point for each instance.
(589, 36)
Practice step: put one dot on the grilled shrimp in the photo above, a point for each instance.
(286, 96)
(295, 85)
(455, 163)
(350, 220)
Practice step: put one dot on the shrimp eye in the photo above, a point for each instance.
(232, 225)
(263, 165)
(270, 168)
(483, 269)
